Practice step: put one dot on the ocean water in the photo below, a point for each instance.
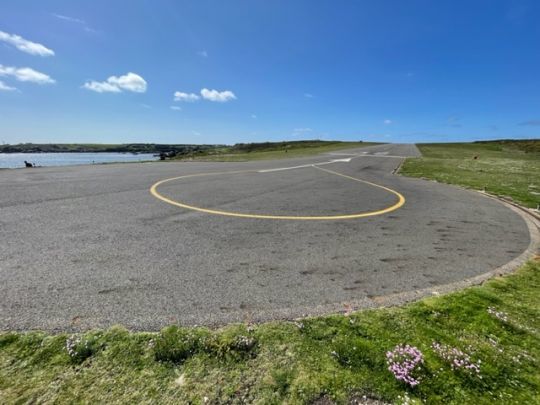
(15, 160)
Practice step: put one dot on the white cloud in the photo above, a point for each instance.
(130, 82)
(91, 30)
(33, 48)
(206, 94)
(218, 96)
(187, 97)
(308, 95)
(101, 87)
(202, 54)
(5, 87)
(387, 122)
(116, 84)
(26, 75)
(75, 20)
(70, 19)
(176, 108)
(253, 116)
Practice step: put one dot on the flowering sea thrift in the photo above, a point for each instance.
(403, 362)
(501, 316)
(80, 348)
(457, 359)
(71, 345)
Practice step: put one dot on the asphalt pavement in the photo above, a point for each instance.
(92, 246)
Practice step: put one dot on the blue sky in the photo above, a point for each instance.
(400, 71)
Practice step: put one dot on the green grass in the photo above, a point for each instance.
(503, 168)
(272, 150)
(338, 356)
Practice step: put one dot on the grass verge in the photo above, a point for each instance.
(503, 168)
(478, 346)
(271, 150)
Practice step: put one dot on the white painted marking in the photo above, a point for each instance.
(346, 160)
(340, 160)
(387, 156)
(284, 168)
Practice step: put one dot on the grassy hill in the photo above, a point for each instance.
(271, 150)
(505, 167)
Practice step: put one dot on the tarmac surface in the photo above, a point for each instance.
(91, 246)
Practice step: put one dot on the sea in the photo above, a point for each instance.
(16, 160)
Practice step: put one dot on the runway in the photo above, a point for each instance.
(149, 244)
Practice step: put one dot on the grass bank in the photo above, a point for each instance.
(503, 168)
(271, 150)
(476, 346)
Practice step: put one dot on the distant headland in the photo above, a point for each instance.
(96, 148)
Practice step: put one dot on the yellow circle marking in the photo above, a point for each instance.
(155, 193)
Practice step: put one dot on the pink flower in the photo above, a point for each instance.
(404, 362)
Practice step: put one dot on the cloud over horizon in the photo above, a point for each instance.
(117, 84)
(24, 45)
(26, 74)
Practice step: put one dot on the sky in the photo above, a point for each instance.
(249, 71)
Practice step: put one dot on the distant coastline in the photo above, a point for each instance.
(47, 159)
(135, 148)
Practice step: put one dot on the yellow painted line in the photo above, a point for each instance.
(155, 193)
